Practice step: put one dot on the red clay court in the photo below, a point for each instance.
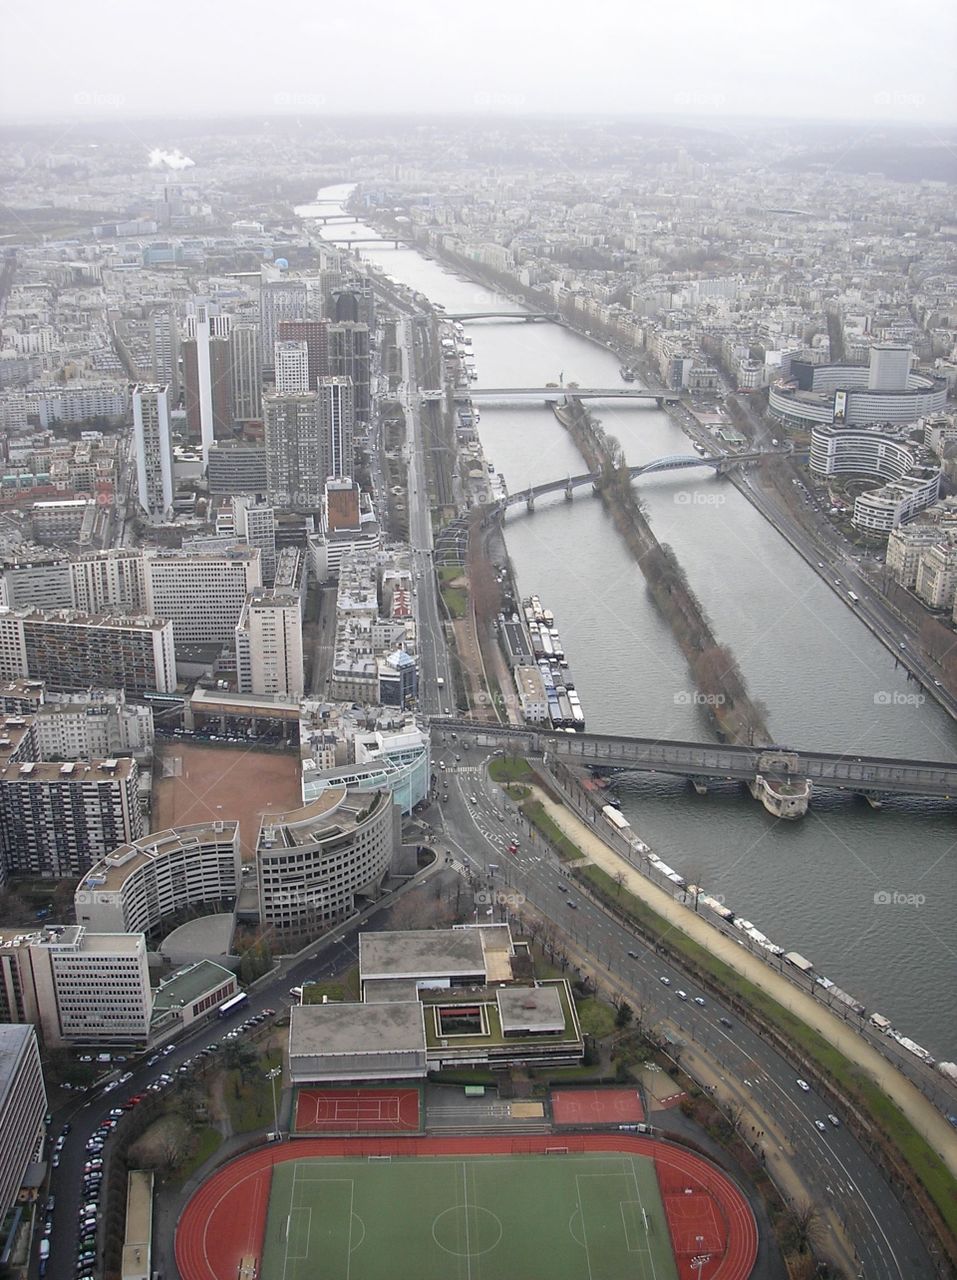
(224, 1223)
(348, 1111)
(596, 1106)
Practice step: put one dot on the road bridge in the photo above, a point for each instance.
(499, 315)
(571, 393)
(869, 776)
(395, 241)
(720, 463)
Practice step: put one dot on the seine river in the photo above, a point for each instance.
(826, 681)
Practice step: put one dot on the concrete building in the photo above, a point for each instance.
(294, 454)
(315, 334)
(107, 581)
(532, 700)
(138, 883)
(291, 360)
(23, 1105)
(41, 581)
(72, 650)
(337, 416)
(90, 988)
(191, 993)
(254, 521)
(280, 298)
(245, 373)
(56, 819)
(339, 752)
(236, 467)
(206, 373)
(202, 594)
(268, 637)
(56, 521)
(153, 445)
(936, 580)
(349, 358)
(361, 1042)
(314, 862)
(164, 348)
(92, 724)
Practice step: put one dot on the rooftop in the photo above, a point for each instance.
(329, 1030)
(188, 984)
(422, 953)
(112, 872)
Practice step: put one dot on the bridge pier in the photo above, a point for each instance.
(569, 491)
(529, 501)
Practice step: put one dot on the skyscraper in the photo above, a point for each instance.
(294, 455)
(292, 368)
(245, 373)
(153, 445)
(207, 377)
(315, 334)
(164, 349)
(280, 298)
(349, 358)
(337, 426)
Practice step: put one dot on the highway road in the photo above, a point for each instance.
(833, 1169)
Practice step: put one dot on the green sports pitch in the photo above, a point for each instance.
(556, 1217)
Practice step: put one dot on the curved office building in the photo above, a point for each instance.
(885, 391)
(910, 484)
(315, 861)
(135, 886)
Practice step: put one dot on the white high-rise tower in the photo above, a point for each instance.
(153, 445)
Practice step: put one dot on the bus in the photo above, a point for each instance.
(854, 599)
(231, 1005)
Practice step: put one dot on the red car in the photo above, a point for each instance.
(513, 847)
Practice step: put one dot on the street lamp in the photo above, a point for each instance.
(272, 1075)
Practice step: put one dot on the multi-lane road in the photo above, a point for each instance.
(828, 1168)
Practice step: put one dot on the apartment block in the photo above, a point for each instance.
(23, 1105)
(202, 594)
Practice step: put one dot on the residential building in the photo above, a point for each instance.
(139, 883)
(23, 1105)
(315, 334)
(349, 358)
(92, 724)
(254, 521)
(207, 380)
(280, 298)
(291, 362)
(153, 446)
(245, 373)
(295, 458)
(202, 593)
(314, 862)
(337, 426)
(236, 467)
(936, 581)
(269, 653)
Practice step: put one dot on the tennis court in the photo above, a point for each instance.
(358, 1110)
(557, 1216)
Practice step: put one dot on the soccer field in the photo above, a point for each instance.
(551, 1217)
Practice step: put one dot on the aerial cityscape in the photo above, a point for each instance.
(478, 646)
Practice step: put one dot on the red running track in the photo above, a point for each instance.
(335, 1111)
(226, 1218)
(596, 1106)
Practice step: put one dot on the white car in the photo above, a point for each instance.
(803, 1084)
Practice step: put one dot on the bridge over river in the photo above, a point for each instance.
(782, 768)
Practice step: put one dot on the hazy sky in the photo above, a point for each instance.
(857, 59)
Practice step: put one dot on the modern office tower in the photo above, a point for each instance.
(90, 988)
(337, 425)
(349, 358)
(236, 467)
(203, 593)
(107, 582)
(292, 368)
(315, 334)
(294, 456)
(889, 366)
(153, 445)
(57, 819)
(280, 298)
(23, 1104)
(269, 657)
(164, 348)
(72, 650)
(254, 521)
(245, 373)
(206, 374)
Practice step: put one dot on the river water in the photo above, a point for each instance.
(826, 681)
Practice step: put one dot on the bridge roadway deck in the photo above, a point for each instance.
(573, 393)
(860, 774)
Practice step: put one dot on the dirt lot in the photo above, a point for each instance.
(193, 783)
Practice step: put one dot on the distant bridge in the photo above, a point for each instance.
(499, 315)
(861, 775)
(347, 240)
(572, 393)
(721, 463)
